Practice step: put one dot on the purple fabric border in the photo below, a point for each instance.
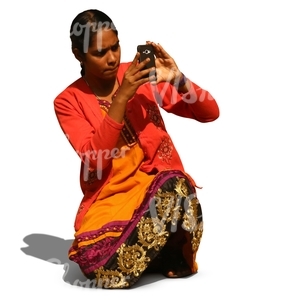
(101, 231)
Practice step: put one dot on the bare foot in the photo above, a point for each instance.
(175, 265)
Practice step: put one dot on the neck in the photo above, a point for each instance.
(101, 88)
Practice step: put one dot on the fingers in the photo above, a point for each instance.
(160, 52)
(138, 72)
(141, 67)
(136, 64)
(135, 60)
(148, 73)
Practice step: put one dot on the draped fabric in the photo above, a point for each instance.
(132, 220)
(138, 202)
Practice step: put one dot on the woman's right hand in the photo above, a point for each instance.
(134, 77)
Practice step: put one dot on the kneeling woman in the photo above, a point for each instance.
(140, 210)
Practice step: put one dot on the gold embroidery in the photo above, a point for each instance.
(110, 279)
(181, 187)
(132, 259)
(152, 233)
(190, 216)
(197, 236)
(166, 207)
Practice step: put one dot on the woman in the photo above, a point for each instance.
(139, 211)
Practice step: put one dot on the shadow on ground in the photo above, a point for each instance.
(55, 250)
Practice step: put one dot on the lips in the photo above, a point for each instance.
(113, 69)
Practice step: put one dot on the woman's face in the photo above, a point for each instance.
(103, 57)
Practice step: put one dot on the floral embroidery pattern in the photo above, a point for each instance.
(165, 150)
(81, 207)
(92, 177)
(155, 116)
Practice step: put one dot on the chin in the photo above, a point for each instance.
(109, 76)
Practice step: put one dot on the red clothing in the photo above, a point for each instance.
(94, 135)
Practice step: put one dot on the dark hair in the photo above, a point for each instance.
(84, 27)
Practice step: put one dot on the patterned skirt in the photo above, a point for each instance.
(169, 220)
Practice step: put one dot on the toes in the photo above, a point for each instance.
(171, 274)
(178, 273)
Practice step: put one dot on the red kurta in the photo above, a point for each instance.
(94, 136)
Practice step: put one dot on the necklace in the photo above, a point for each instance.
(128, 133)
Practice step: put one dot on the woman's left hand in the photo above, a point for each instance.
(166, 68)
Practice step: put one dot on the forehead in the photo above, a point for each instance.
(104, 38)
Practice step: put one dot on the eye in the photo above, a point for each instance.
(101, 53)
(115, 47)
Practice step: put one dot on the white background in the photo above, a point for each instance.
(246, 53)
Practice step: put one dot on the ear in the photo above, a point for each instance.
(78, 55)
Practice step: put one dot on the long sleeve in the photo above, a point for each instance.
(92, 135)
(197, 104)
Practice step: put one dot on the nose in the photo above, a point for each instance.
(111, 58)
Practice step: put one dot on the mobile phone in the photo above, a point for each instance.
(145, 52)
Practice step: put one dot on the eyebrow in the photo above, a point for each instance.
(105, 49)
